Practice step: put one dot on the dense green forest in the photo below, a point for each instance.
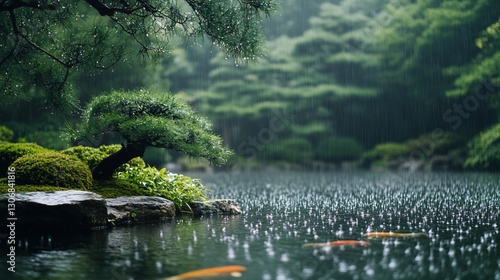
(374, 84)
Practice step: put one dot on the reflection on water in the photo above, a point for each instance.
(459, 213)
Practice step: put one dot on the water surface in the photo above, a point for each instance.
(460, 213)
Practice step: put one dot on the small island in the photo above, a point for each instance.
(112, 184)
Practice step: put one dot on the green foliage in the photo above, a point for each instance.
(294, 150)
(52, 169)
(6, 134)
(56, 40)
(483, 71)
(484, 150)
(391, 150)
(178, 188)
(152, 119)
(311, 79)
(436, 143)
(9, 152)
(338, 149)
(93, 156)
(382, 154)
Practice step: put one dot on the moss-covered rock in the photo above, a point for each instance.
(10, 152)
(53, 169)
(116, 188)
(93, 156)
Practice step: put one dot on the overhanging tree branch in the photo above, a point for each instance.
(64, 31)
(21, 4)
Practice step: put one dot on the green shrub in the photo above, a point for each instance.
(436, 143)
(9, 152)
(484, 150)
(178, 188)
(388, 151)
(294, 150)
(6, 134)
(382, 154)
(337, 149)
(93, 156)
(52, 169)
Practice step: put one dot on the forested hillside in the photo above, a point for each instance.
(368, 84)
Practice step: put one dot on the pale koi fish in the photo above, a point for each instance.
(230, 270)
(337, 243)
(387, 234)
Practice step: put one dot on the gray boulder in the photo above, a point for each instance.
(56, 211)
(213, 206)
(128, 209)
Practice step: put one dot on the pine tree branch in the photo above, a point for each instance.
(21, 4)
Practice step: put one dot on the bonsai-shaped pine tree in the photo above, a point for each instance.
(148, 119)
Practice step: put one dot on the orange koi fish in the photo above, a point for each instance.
(337, 243)
(230, 270)
(387, 234)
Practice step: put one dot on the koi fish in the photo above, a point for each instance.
(230, 270)
(393, 234)
(337, 243)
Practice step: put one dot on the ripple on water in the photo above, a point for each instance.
(460, 214)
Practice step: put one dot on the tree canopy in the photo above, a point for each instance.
(45, 42)
(148, 119)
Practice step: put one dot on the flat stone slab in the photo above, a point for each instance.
(131, 209)
(56, 211)
(214, 207)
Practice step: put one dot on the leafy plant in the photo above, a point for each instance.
(178, 188)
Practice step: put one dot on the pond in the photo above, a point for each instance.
(459, 214)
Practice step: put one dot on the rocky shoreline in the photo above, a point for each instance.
(73, 210)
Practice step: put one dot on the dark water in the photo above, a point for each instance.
(282, 211)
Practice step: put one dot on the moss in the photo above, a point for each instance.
(107, 189)
(10, 152)
(93, 156)
(116, 188)
(31, 188)
(53, 169)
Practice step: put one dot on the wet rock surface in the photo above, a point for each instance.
(132, 209)
(55, 211)
(74, 210)
(214, 207)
